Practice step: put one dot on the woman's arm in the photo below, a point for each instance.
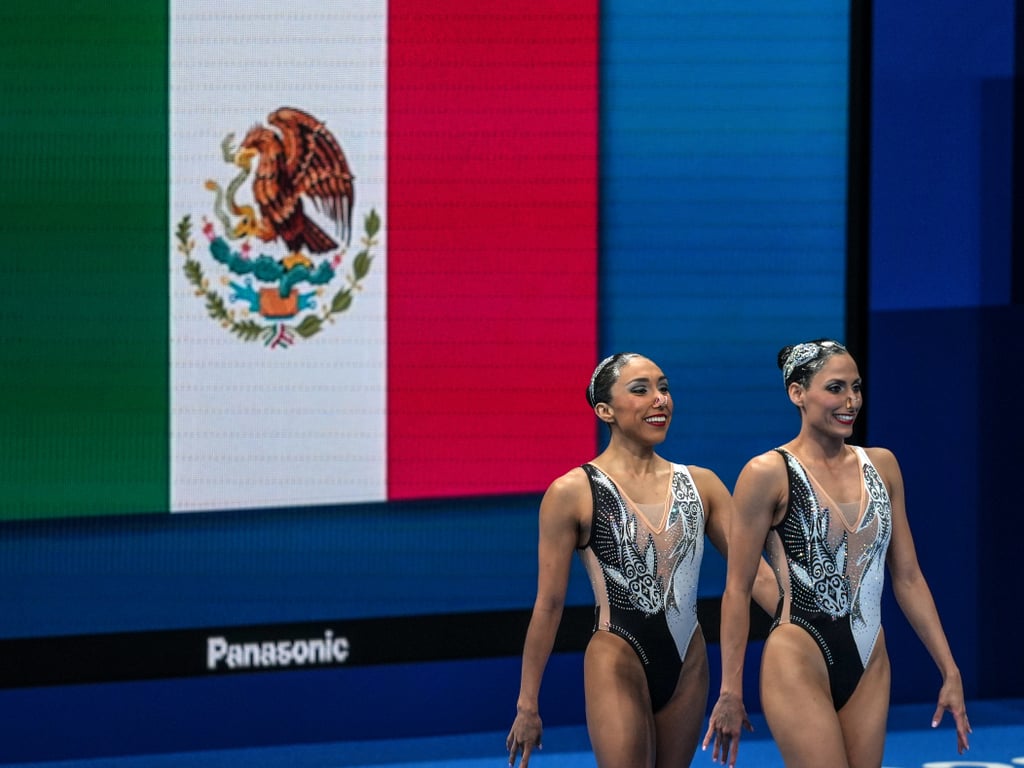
(759, 489)
(916, 601)
(560, 513)
(720, 510)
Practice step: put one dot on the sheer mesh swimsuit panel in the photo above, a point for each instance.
(829, 559)
(643, 562)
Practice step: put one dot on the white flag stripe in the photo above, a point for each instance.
(303, 422)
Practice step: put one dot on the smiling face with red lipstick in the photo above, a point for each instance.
(640, 404)
(832, 397)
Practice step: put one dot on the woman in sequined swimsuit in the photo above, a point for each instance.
(829, 517)
(638, 522)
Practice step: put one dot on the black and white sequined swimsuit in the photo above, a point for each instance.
(645, 577)
(830, 573)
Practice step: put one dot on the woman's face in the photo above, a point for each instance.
(832, 399)
(641, 403)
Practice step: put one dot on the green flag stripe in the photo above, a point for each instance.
(84, 309)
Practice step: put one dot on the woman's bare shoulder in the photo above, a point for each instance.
(767, 464)
(879, 455)
(888, 467)
(569, 486)
(704, 477)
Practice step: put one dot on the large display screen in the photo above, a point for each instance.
(337, 278)
(366, 246)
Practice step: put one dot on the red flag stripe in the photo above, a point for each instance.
(492, 244)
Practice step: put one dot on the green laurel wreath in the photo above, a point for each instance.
(252, 330)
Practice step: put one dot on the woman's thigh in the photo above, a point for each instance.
(797, 701)
(680, 722)
(863, 717)
(619, 717)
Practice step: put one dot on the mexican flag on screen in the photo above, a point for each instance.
(383, 235)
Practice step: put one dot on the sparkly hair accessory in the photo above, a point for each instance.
(804, 353)
(593, 379)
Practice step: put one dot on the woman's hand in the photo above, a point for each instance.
(728, 719)
(951, 697)
(524, 736)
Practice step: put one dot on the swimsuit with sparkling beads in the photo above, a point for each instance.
(831, 572)
(645, 576)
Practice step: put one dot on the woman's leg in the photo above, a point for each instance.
(863, 717)
(619, 717)
(680, 723)
(797, 702)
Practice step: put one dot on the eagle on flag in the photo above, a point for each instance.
(302, 159)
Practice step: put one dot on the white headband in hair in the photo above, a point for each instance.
(593, 379)
(804, 353)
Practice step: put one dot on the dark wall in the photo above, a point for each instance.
(945, 324)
